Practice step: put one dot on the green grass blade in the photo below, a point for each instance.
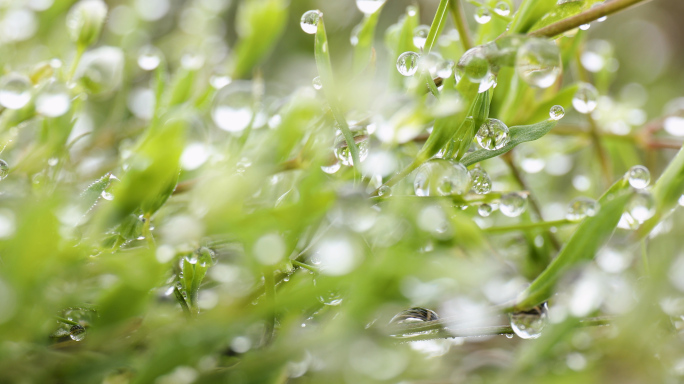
(364, 46)
(437, 26)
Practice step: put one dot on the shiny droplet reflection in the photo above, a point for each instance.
(529, 324)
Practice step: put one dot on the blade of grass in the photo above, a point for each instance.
(437, 26)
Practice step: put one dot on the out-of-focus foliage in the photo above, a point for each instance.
(271, 191)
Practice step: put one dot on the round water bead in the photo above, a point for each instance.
(444, 69)
(556, 112)
(414, 315)
(369, 6)
(474, 65)
(54, 101)
(639, 177)
(420, 34)
(15, 91)
(317, 83)
(641, 206)
(342, 152)
(582, 207)
(493, 135)
(232, 107)
(77, 332)
(529, 324)
(407, 63)
(482, 15)
(384, 191)
(332, 168)
(309, 21)
(488, 82)
(513, 204)
(485, 210)
(481, 182)
(502, 8)
(585, 99)
(538, 62)
(439, 177)
(4, 169)
(429, 63)
(149, 58)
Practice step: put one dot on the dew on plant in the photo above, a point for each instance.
(556, 112)
(420, 34)
(474, 65)
(502, 8)
(639, 177)
(4, 169)
(337, 255)
(414, 315)
(77, 333)
(493, 135)
(585, 99)
(53, 101)
(407, 63)
(444, 69)
(232, 107)
(107, 192)
(384, 191)
(485, 210)
(487, 83)
(317, 83)
(220, 81)
(439, 177)
(332, 168)
(674, 120)
(429, 63)
(582, 207)
(192, 61)
(369, 6)
(149, 58)
(15, 91)
(513, 204)
(585, 27)
(529, 324)
(482, 15)
(481, 182)
(642, 205)
(309, 21)
(344, 154)
(538, 62)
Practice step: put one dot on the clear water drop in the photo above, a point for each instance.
(332, 168)
(232, 107)
(54, 101)
(502, 8)
(487, 83)
(149, 58)
(15, 91)
(485, 210)
(317, 83)
(444, 69)
(529, 324)
(369, 6)
(513, 204)
(641, 206)
(219, 81)
(582, 207)
(384, 191)
(585, 99)
(191, 258)
(680, 201)
(474, 65)
(493, 135)
(481, 182)
(309, 21)
(354, 37)
(538, 62)
(428, 63)
(77, 332)
(556, 112)
(192, 61)
(440, 177)
(331, 298)
(639, 177)
(342, 152)
(420, 34)
(407, 63)
(4, 169)
(509, 336)
(584, 27)
(482, 15)
(412, 316)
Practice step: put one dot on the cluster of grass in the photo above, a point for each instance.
(177, 206)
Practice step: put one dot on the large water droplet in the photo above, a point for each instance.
(317, 83)
(481, 182)
(485, 210)
(77, 332)
(585, 99)
(232, 108)
(482, 15)
(4, 169)
(309, 21)
(502, 8)
(513, 204)
(474, 65)
(439, 177)
(639, 177)
(493, 135)
(15, 91)
(412, 316)
(369, 6)
(538, 62)
(332, 168)
(407, 63)
(582, 207)
(54, 101)
(384, 191)
(107, 192)
(430, 62)
(149, 57)
(556, 112)
(641, 206)
(488, 82)
(529, 324)
(420, 35)
(343, 153)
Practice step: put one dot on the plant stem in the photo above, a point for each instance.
(66, 321)
(431, 85)
(644, 257)
(585, 17)
(526, 226)
(181, 301)
(147, 232)
(600, 150)
(305, 266)
(80, 50)
(456, 8)
(269, 287)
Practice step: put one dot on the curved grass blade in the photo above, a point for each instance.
(364, 45)
(437, 26)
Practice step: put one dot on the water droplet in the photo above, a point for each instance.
(407, 63)
(538, 62)
(269, 249)
(77, 332)
(107, 192)
(493, 135)
(488, 82)
(582, 207)
(354, 37)
(317, 83)
(54, 101)
(369, 6)
(330, 169)
(556, 112)
(331, 298)
(149, 58)
(191, 258)
(309, 21)
(529, 324)
(439, 177)
(420, 35)
(15, 91)
(412, 316)
(4, 169)
(481, 182)
(585, 99)
(513, 204)
(680, 201)
(444, 69)
(509, 336)
(502, 8)
(641, 206)
(220, 81)
(639, 177)
(384, 191)
(485, 210)
(342, 152)
(584, 27)
(232, 108)
(474, 65)
(192, 61)
(482, 15)
(430, 62)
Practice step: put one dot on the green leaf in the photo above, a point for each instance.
(529, 12)
(563, 11)
(92, 193)
(180, 90)
(591, 234)
(364, 46)
(519, 135)
(562, 98)
(437, 26)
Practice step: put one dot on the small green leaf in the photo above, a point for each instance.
(437, 26)
(562, 98)
(364, 45)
